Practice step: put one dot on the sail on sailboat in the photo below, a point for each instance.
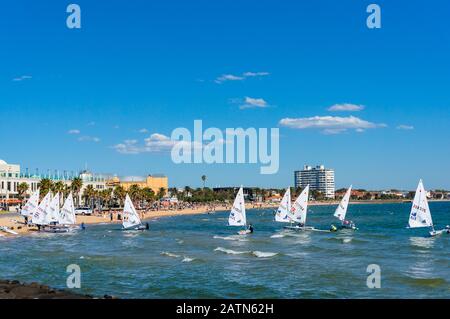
(299, 211)
(131, 220)
(420, 215)
(52, 211)
(341, 212)
(67, 213)
(31, 206)
(237, 214)
(283, 210)
(38, 217)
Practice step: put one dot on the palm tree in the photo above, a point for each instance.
(77, 184)
(147, 194)
(161, 193)
(21, 190)
(119, 194)
(204, 180)
(45, 185)
(58, 187)
(134, 192)
(89, 194)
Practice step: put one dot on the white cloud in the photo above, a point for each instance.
(232, 77)
(250, 102)
(405, 127)
(346, 107)
(254, 74)
(87, 138)
(228, 77)
(74, 131)
(22, 77)
(155, 143)
(330, 124)
(143, 130)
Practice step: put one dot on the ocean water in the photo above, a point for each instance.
(200, 257)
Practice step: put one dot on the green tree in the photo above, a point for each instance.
(21, 190)
(161, 193)
(204, 180)
(45, 185)
(119, 194)
(76, 185)
(147, 194)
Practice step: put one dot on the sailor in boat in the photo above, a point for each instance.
(448, 229)
(250, 229)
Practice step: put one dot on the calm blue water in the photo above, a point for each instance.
(199, 257)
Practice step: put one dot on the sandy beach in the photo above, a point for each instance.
(15, 221)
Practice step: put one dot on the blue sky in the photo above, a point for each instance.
(155, 65)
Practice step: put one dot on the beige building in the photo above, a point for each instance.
(155, 182)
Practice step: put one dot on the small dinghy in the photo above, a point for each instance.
(237, 214)
(341, 212)
(8, 230)
(131, 220)
(298, 212)
(420, 215)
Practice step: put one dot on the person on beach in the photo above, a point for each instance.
(111, 217)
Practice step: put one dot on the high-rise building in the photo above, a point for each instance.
(318, 178)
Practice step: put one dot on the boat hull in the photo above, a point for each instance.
(136, 228)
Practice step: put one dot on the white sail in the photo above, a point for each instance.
(130, 216)
(31, 206)
(67, 212)
(299, 209)
(420, 212)
(341, 210)
(52, 211)
(284, 208)
(38, 217)
(237, 215)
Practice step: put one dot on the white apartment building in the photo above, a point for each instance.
(318, 178)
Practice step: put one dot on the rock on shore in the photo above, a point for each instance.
(13, 289)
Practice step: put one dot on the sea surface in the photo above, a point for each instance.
(199, 256)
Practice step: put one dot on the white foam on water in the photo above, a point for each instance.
(180, 241)
(347, 240)
(230, 251)
(81, 257)
(277, 236)
(262, 254)
(168, 254)
(233, 237)
(187, 260)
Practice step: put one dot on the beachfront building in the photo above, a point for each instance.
(11, 177)
(318, 178)
(155, 182)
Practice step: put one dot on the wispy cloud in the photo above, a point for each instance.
(243, 76)
(250, 102)
(143, 130)
(92, 123)
(346, 107)
(330, 124)
(73, 131)
(88, 138)
(22, 78)
(405, 127)
(155, 143)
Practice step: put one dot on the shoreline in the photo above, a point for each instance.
(14, 221)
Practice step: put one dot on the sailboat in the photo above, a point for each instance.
(52, 222)
(131, 220)
(299, 211)
(67, 213)
(31, 206)
(237, 214)
(38, 217)
(341, 211)
(281, 215)
(420, 215)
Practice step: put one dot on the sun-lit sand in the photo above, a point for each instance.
(16, 221)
